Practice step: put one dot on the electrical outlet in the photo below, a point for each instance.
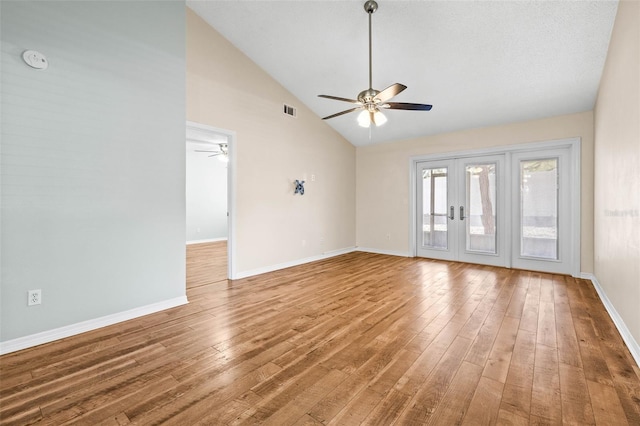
(35, 297)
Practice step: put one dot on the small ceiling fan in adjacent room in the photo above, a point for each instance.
(371, 101)
(222, 153)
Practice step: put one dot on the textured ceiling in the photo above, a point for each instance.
(479, 63)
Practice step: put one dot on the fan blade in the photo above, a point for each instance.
(407, 106)
(200, 150)
(336, 98)
(390, 92)
(213, 155)
(342, 112)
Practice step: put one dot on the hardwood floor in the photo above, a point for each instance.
(206, 263)
(356, 339)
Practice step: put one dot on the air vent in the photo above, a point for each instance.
(289, 110)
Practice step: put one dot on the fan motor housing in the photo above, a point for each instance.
(368, 96)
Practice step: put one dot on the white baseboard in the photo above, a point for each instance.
(81, 327)
(633, 346)
(211, 240)
(388, 252)
(325, 255)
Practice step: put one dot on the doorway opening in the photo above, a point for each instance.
(209, 204)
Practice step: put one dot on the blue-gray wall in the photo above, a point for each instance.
(93, 160)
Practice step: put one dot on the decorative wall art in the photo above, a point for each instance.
(299, 187)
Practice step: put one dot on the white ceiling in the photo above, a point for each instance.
(479, 63)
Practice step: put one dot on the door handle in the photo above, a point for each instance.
(462, 213)
(452, 212)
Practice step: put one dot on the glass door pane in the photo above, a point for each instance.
(480, 225)
(434, 208)
(539, 208)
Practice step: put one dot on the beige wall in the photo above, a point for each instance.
(617, 170)
(382, 176)
(227, 90)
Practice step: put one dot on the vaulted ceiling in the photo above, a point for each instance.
(479, 63)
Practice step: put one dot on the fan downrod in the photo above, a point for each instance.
(371, 101)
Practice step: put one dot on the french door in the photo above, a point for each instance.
(461, 210)
(541, 202)
(512, 209)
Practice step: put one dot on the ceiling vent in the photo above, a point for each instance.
(289, 110)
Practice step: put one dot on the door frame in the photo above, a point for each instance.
(198, 131)
(574, 146)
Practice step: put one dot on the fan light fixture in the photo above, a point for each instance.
(365, 118)
(370, 101)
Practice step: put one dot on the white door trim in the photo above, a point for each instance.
(197, 131)
(574, 145)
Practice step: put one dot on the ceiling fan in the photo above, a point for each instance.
(223, 152)
(371, 101)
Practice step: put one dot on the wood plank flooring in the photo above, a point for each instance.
(206, 263)
(357, 339)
